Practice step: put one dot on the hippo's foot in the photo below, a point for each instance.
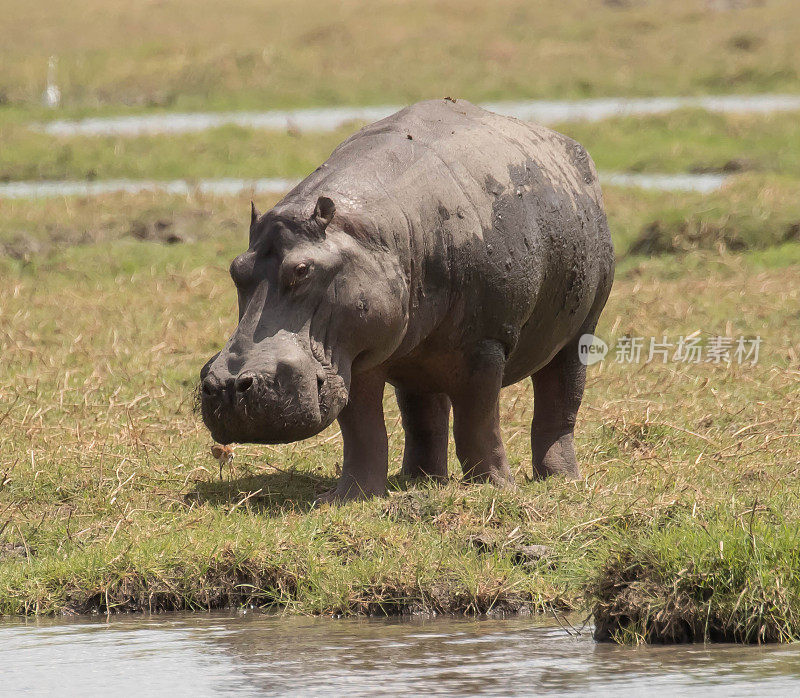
(554, 454)
(501, 478)
(349, 492)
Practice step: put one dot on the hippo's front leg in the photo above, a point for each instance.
(366, 447)
(476, 417)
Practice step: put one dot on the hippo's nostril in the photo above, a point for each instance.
(209, 387)
(244, 383)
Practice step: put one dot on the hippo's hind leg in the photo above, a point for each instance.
(366, 448)
(426, 420)
(558, 391)
(476, 417)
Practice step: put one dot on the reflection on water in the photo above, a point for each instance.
(209, 655)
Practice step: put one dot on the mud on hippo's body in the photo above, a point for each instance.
(446, 250)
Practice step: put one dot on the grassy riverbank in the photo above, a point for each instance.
(684, 525)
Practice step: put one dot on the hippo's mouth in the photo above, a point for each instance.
(264, 415)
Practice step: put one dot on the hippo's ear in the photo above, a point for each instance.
(254, 214)
(323, 211)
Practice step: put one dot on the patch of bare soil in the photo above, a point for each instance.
(174, 229)
(660, 237)
(733, 166)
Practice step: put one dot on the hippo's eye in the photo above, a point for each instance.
(301, 271)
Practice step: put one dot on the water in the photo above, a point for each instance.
(53, 188)
(703, 183)
(210, 655)
(331, 118)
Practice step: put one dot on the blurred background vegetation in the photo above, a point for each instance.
(202, 54)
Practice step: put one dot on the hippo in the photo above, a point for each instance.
(445, 250)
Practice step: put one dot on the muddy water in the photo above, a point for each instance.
(331, 118)
(703, 183)
(209, 655)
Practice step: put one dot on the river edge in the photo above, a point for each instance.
(635, 596)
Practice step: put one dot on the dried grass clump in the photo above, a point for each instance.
(650, 594)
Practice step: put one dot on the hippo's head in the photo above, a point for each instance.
(315, 301)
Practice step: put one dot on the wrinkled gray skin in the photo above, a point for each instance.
(446, 250)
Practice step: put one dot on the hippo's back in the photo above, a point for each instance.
(440, 143)
(498, 224)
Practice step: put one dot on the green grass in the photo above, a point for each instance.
(682, 141)
(32, 230)
(733, 578)
(224, 152)
(694, 141)
(751, 212)
(110, 500)
(204, 55)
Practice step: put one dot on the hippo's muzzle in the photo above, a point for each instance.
(286, 399)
